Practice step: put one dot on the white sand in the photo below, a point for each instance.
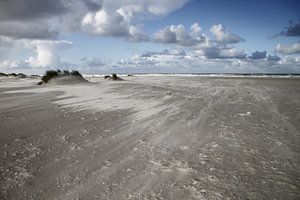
(150, 138)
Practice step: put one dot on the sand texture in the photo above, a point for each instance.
(150, 138)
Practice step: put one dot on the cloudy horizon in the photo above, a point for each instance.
(169, 36)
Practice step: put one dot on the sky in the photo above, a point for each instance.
(150, 36)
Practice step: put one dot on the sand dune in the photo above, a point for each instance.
(151, 138)
(66, 80)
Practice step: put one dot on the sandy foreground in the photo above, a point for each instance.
(151, 138)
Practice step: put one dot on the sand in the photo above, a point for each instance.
(150, 138)
(66, 80)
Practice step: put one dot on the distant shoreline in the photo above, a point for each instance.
(221, 75)
(204, 75)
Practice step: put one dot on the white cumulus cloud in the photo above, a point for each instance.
(288, 49)
(123, 18)
(223, 36)
(46, 52)
(177, 34)
(104, 23)
(220, 52)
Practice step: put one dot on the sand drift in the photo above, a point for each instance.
(150, 138)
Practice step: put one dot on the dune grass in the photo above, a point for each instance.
(52, 74)
(113, 77)
(19, 75)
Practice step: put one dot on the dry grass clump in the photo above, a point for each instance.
(113, 77)
(52, 74)
(19, 75)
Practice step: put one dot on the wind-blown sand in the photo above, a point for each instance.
(65, 80)
(151, 138)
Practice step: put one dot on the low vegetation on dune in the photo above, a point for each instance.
(50, 74)
(3, 74)
(113, 77)
(19, 75)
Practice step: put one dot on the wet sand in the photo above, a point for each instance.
(151, 138)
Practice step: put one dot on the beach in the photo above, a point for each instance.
(151, 137)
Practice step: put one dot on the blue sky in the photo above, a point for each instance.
(102, 36)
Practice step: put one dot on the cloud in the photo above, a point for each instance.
(261, 57)
(273, 58)
(175, 52)
(14, 64)
(175, 60)
(196, 30)
(232, 53)
(90, 66)
(29, 19)
(46, 19)
(213, 57)
(136, 35)
(123, 18)
(40, 19)
(162, 8)
(16, 10)
(178, 59)
(290, 61)
(220, 52)
(164, 58)
(258, 55)
(147, 8)
(177, 34)
(285, 49)
(46, 52)
(71, 21)
(94, 62)
(5, 44)
(112, 24)
(223, 36)
(201, 44)
(104, 23)
(29, 30)
(36, 25)
(293, 30)
(189, 62)
(153, 60)
(92, 5)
